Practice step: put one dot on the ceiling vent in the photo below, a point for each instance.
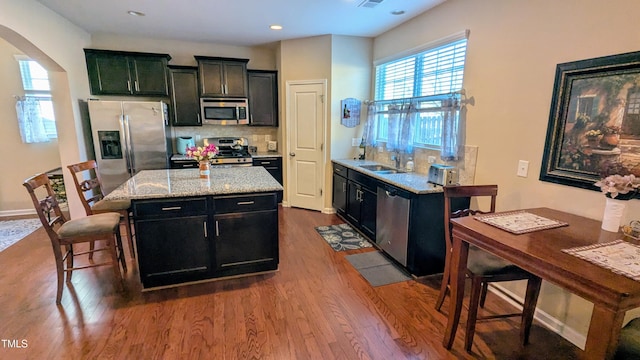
(370, 3)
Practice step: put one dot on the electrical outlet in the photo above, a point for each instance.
(431, 159)
(255, 137)
(197, 137)
(523, 168)
(267, 138)
(355, 142)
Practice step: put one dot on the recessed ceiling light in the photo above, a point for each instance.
(135, 13)
(275, 27)
(397, 12)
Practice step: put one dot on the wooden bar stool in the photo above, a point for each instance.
(67, 233)
(87, 183)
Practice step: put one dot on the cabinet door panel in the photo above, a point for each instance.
(246, 238)
(353, 202)
(109, 75)
(184, 97)
(263, 98)
(211, 78)
(235, 79)
(172, 247)
(368, 213)
(339, 193)
(149, 76)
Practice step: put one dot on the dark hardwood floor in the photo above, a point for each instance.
(315, 307)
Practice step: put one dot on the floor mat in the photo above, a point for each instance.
(12, 231)
(342, 237)
(377, 268)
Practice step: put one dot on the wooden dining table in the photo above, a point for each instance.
(540, 252)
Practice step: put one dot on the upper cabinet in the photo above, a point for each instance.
(127, 73)
(263, 97)
(222, 77)
(185, 105)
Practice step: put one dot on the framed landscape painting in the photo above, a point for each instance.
(594, 122)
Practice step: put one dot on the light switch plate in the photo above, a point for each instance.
(523, 168)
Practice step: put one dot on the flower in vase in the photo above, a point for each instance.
(202, 153)
(614, 185)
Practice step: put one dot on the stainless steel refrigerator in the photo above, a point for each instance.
(128, 136)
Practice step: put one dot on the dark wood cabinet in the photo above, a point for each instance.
(127, 73)
(339, 189)
(263, 97)
(172, 240)
(246, 234)
(272, 164)
(362, 202)
(185, 101)
(222, 77)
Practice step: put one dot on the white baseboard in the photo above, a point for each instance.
(7, 213)
(329, 211)
(542, 317)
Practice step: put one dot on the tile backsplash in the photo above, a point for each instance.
(256, 135)
(466, 164)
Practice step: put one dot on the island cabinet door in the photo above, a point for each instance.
(246, 242)
(172, 250)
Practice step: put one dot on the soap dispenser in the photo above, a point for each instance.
(409, 165)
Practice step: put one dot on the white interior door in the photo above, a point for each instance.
(306, 114)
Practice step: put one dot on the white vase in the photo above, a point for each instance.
(613, 211)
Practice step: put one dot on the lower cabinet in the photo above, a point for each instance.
(246, 234)
(361, 202)
(196, 238)
(172, 240)
(339, 192)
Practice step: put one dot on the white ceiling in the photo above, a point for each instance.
(237, 22)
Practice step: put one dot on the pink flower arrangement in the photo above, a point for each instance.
(613, 185)
(202, 153)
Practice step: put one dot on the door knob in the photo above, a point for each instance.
(292, 154)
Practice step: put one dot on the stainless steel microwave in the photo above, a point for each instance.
(224, 111)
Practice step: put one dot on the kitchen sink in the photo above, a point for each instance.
(381, 169)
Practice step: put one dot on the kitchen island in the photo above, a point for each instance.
(189, 229)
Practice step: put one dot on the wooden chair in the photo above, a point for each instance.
(629, 344)
(87, 183)
(483, 267)
(67, 233)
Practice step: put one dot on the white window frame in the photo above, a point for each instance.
(429, 128)
(42, 92)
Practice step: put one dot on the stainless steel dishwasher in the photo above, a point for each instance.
(392, 222)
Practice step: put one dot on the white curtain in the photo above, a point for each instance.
(371, 127)
(401, 126)
(451, 130)
(30, 121)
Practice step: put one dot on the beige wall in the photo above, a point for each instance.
(513, 50)
(57, 45)
(24, 160)
(182, 52)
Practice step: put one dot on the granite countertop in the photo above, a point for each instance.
(150, 184)
(410, 181)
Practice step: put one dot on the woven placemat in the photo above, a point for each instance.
(519, 222)
(618, 256)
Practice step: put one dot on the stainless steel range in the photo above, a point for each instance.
(231, 151)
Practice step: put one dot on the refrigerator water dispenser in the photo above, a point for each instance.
(110, 147)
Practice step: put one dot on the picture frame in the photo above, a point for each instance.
(594, 121)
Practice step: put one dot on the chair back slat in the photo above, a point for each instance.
(87, 183)
(466, 191)
(46, 206)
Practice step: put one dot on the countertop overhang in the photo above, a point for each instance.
(169, 183)
(410, 181)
